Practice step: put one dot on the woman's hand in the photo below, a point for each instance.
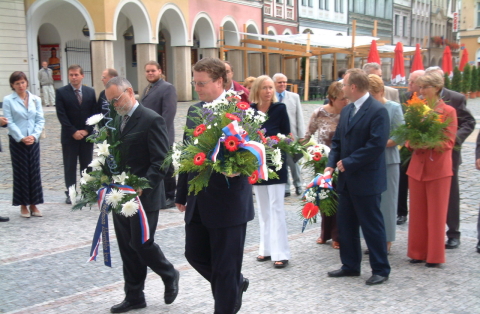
(28, 140)
(391, 143)
(3, 121)
(231, 175)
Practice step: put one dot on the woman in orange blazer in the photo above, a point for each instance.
(429, 178)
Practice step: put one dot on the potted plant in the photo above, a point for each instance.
(466, 79)
(473, 83)
(437, 40)
(446, 79)
(456, 83)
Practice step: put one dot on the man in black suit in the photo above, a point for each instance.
(466, 125)
(75, 104)
(358, 151)
(477, 165)
(161, 97)
(107, 74)
(143, 148)
(216, 218)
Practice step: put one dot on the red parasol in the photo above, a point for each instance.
(373, 55)
(398, 72)
(447, 62)
(464, 59)
(417, 60)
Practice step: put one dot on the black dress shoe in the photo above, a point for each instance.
(170, 203)
(376, 280)
(126, 306)
(416, 261)
(243, 288)
(478, 247)
(171, 291)
(68, 201)
(401, 220)
(4, 219)
(452, 243)
(432, 265)
(343, 273)
(298, 190)
(287, 194)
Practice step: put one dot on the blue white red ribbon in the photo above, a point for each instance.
(324, 181)
(256, 148)
(101, 231)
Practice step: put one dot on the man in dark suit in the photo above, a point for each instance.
(75, 104)
(230, 84)
(358, 151)
(466, 125)
(161, 97)
(143, 148)
(477, 165)
(216, 218)
(107, 74)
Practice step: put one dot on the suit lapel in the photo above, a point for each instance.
(132, 121)
(358, 116)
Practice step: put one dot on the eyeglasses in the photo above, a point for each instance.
(425, 87)
(200, 84)
(115, 100)
(282, 82)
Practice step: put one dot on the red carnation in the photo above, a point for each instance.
(232, 116)
(309, 211)
(199, 158)
(253, 178)
(262, 137)
(275, 138)
(317, 156)
(243, 105)
(231, 143)
(199, 130)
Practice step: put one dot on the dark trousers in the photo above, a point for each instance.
(170, 183)
(362, 211)
(73, 151)
(402, 209)
(217, 254)
(137, 256)
(453, 214)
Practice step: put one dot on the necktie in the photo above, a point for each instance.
(148, 89)
(124, 122)
(352, 114)
(280, 98)
(79, 96)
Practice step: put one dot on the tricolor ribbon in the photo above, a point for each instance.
(101, 231)
(324, 181)
(256, 148)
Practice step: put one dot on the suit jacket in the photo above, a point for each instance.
(225, 202)
(162, 98)
(360, 145)
(477, 149)
(392, 94)
(466, 122)
(392, 154)
(71, 114)
(432, 164)
(295, 114)
(239, 88)
(144, 145)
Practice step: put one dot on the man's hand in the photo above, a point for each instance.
(139, 192)
(180, 207)
(78, 135)
(83, 132)
(328, 169)
(3, 121)
(340, 166)
(477, 164)
(231, 175)
(28, 140)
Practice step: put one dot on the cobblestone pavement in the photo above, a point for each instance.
(43, 265)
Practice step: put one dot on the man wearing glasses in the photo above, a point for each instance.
(216, 218)
(75, 103)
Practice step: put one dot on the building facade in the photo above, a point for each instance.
(469, 31)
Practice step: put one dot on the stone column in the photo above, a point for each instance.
(313, 69)
(235, 57)
(210, 52)
(102, 58)
(255, 64)
(275, 65)
(145, 53)
(183, 72)
(327, 65)
(290, 69)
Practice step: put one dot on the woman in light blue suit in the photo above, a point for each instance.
(24, 113)
(388, 204)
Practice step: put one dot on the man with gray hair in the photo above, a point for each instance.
(45, 78)
(375, 68)
(143, 147)
(297, 126)
(402, 210)
(466, 124)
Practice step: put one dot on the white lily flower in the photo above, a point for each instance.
(97, 163)
(102, 149)
(86, 177)
(120, 178)
(94, 119)
(196, 141)
(130, 208)
(72, 193)
(114, 197)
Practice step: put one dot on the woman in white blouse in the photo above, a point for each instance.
(24, 113)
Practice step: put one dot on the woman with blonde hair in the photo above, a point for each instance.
(248, 82)
(324, 120)
(270, 194)
(389, 201)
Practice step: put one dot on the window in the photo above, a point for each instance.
(279, 1)
(290, 2)
(327, 7)
(337, 6)
(396, 26)
(404, 27)
(478, 14)
(310, 3)
(321, 4)
(304, 2)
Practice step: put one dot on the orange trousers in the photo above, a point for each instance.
(428, 216)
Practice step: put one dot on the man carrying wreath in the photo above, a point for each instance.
(144, 144)
(216, 218)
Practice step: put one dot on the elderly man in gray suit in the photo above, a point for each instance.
(297, 126)
(390, 92)
(161, 97)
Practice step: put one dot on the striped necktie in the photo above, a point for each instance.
(79, 96)
(124, 122)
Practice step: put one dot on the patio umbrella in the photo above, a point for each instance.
(447, 62)
(373, 55)
(464, 59)
(417, 60)
(398, 72)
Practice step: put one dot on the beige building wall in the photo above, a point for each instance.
(470, 30)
